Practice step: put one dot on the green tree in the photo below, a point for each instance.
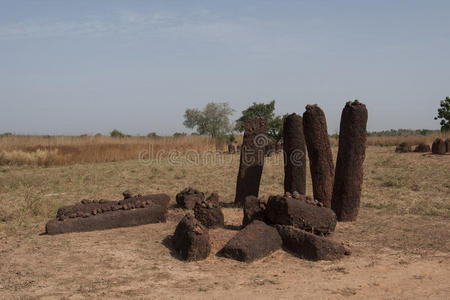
(267, 111)
(213, 120)
(117, 134)
(444, 114)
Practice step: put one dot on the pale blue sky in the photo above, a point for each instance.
(86, 66)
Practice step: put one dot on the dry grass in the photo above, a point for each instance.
(399, 244)
(409, 183)
(67, 150)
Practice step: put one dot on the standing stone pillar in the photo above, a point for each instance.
(349, 165)
(319, 153)
(294, 155)
(252, 160)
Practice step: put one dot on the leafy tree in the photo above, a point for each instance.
(267, 111)
(117, 134)
(152, 135)
(214, 120)
(179, 134)
(444, 114)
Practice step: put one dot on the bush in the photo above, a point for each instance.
(179, 134)
(117, 134)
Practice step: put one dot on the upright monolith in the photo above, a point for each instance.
(252, 160)
(319, 153)
(438, 147)
(349, 164)
(294, 155)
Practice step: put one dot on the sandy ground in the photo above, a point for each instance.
(393, 257)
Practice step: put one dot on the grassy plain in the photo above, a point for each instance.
(400, 243)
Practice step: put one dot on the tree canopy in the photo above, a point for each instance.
(267, 111)
(213, 120)
(444, 114)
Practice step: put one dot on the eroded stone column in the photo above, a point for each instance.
(252, 160)
(349, 165)
(319, 153)
(294, 155)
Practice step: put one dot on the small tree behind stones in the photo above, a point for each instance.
(444, 114)
(117, 134)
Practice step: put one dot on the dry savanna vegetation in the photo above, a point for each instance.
(400, 243)
(67, 150)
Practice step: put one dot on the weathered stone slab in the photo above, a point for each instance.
(209, 212)
(109, 219)
(191, 239)
(290, 211)
(188, 197)
(310, 246)
(255, 241)
(254, 209)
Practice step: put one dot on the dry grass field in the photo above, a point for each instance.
(400, 244)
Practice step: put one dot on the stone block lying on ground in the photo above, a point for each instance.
(291, 211)
(438, 147)
(422, 148)
(191, 239)
(209, 213)
(255, 241)
(188, 197)
(304, 198)
(403, 148)
(253, 210)
(310, 246)
(105, 214)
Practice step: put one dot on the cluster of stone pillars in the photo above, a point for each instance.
(338, 189)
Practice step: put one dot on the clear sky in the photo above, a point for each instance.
(88, 66)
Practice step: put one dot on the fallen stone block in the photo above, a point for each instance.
(253, 210)
(118, 216)
(403, 148)
(422, 148)
(310, 246)
(255, 241)
(209, 212)
(191, 239)
(188, 197)
(290, 211)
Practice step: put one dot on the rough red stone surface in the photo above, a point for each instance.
(255, 241)
(439, 147)
(209, 212)
(310, 246)
(319, 152)
(422, 148)
(290, 211)
(294, 154)
(107, 220)
(253, 210)
(251, 160)
(191, 239)
(348, 176)
(403, 148)
(188, 197)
